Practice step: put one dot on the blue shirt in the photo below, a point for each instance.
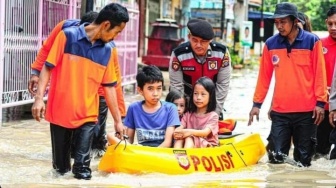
(151, 127)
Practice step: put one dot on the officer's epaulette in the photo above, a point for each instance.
(183, 48)
(218, 46)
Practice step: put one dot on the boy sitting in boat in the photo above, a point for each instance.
(199, 126)
(152, 120)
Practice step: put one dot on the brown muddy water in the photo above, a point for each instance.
(25, 156)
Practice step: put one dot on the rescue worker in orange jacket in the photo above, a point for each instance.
(99, 139)
(300, 92)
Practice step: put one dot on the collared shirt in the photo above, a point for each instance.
(202, 59)
(78, 69)
(300, 76)
(329, 51)
(42, 55)
(44, 51)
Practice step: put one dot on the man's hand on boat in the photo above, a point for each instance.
(121, 129)
(116, 138)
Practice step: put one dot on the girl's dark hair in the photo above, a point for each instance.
(210, 87)
(149, 74)
(307, 25)
(114, 13)
(176, 94)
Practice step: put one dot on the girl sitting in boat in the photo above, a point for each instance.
(179, 99)
(199, 126)
(152, 120)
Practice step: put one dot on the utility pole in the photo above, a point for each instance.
(83, 8)
(89, 5)
(223, 19)
(261, 26)
(86, 6)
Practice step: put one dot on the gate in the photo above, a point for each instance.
(127, 41)
(24, 24)
(127, 45)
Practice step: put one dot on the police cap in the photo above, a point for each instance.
(201, 28)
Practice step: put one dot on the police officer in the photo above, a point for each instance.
(198, 57)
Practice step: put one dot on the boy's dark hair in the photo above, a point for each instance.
(210, 87)
(114, 13)
(88, 17)
(331, 11)
(149, 74)
(176, 94)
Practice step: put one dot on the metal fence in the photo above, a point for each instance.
(127, 41)
(24, 24)
(127, 45)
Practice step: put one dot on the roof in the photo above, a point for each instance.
(165, 23)
(257, 15)
(165, 20)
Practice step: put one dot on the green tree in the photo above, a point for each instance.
(316, 10)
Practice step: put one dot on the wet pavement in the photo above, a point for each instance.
(25, 153)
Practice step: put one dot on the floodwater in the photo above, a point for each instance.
(25, 156)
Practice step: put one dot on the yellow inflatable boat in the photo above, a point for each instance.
(234, 152)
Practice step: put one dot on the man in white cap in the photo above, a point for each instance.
(198, 57)
(295, 57)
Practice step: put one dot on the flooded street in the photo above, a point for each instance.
(25, 155)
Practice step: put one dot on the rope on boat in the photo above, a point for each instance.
(238, 154)
(125, 137)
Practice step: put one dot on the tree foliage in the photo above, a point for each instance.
(316, 10)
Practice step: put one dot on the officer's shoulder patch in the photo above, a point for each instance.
(225, 64)
(226, 60)
(175, 65)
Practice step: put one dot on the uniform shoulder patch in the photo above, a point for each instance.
(175, 65)
(324, 50)
(226, 60)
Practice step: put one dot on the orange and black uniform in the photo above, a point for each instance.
(99, 140)
(300, 85)
(78, 69)
(325, 130)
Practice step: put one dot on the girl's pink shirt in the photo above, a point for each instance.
(200, 122)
